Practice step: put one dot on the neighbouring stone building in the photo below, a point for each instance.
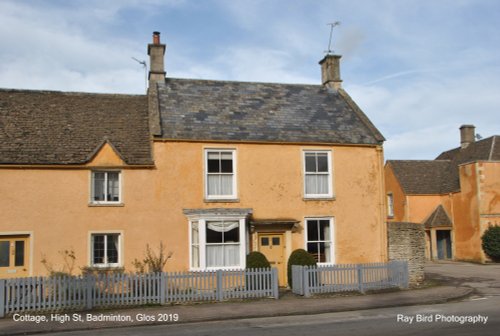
(455, 197)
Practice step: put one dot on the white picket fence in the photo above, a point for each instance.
(349, 277)
(112, 290)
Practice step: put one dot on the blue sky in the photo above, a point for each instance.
(418, 69)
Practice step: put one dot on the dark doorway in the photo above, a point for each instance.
(443, 238)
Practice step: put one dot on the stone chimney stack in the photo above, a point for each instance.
(467, 135)
(330, 71)
(156, 52)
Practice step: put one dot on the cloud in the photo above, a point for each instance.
(416, 75)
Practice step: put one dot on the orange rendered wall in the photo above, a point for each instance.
(477, 206)
(421, 206)
(466, 209)
(392, 186)
(53, 204)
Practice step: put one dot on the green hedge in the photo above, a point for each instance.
(491, 242)
(299, 257)
(257, 260)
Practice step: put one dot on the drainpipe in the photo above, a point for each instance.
(382, 203)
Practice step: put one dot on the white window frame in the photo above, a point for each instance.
(332, 237)
(92, 186)
(234, 194)
(330, 193)
(390, 205)
(202, 242)
(91, 249)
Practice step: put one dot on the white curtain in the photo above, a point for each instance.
(195, 248)
(222, 226)
(317, 184)
(113, 187)
(113, 246)
(223, 255)
(326, 237)
(99, 187)
(220, 184)
(214, 184)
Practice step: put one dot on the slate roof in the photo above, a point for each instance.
(61, 128)
(483, 150)
(440, 176)
(421, 177)
(261, 112)
(438, 217)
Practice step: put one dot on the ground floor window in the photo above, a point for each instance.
(217, 243)
(319, 239)
(105, 249)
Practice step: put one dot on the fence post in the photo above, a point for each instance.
(305, 281)
(360, 278)
(406, 274)
(2, 297)
(88, 292)
(163, 288)
(219, 289)
(274, 279)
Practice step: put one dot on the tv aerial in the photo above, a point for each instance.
(332, 25)
(145, 66)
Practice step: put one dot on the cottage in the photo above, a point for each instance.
(213, 169)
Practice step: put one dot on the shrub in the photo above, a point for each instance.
(68, 264)
(152, 262)
(491, 242)
(299, 257)
(257, 260)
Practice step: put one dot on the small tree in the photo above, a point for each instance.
(491, 242)
(299, 257)
(257, 259)
(68, 264)
(152, 262)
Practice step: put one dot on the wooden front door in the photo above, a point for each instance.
(272, 245)
(14, 256)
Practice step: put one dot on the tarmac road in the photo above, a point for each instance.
(386, 321)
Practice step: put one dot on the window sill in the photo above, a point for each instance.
(327, 198)
(221, 200)
(213, 269)
(390, 217)
(97, 205)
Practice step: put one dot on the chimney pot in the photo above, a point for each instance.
(467, 135)
(156, 37)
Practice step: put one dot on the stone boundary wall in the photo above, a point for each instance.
(406, 241)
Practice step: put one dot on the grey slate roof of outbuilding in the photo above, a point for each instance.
(438, 217)
(61, 128)
(441, 176)
(261, 112)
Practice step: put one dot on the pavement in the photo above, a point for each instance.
(287, 305)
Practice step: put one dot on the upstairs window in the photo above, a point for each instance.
(317, 174)
(390, 205)
(105, 187)
(220, 174)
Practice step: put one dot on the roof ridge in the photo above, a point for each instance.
(493, 143)
(75, 93)
(241, 82)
